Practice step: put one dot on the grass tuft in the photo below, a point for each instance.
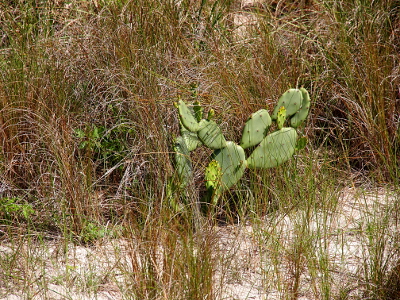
(89, 198)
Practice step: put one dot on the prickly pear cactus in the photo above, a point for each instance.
(182, 161)
(187, 118)
(281, 117)
(291, 100)
(302, 113)
(255, 129)
(213, 175)
(211, 135)
(190, 138)
(232, 160)
(229, 161)
(198, 111)
(274, 150)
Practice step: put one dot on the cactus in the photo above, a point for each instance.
(187, 118)
(281, 117)
(225, 170)
(198, 111)
(229, 161)
(274, 150)
(213, 175)
(291, 100)
(302, 114)
(255, 128)
(232, 160)
(190, 138)
(182, 161)
(211, 135)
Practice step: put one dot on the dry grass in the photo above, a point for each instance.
(87, 122)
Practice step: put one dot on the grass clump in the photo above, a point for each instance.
(86, 129)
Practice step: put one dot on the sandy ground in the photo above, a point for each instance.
(257, 261)
(341, 244)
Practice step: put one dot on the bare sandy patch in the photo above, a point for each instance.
(302, 254)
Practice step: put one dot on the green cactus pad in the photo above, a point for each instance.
(191, 140)
(275, 149)
(187, 118)
(198, 111)
(302, 114)
(233, 163)
(291, 100)
(211, 135)
(182, 161)
(255, 128)
(281, 117)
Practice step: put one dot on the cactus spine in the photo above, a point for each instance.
(229, 161)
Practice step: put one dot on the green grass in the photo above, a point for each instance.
(86, 129)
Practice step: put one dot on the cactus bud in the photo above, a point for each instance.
(211, 114)
(281, 117)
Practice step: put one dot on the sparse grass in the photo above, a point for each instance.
(86, 127)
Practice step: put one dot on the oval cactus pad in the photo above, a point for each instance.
(182, 161)
(211, 135)
(291, 100)
(191, 140)
(187, 118)
(275, 149)
(255, 128)
(302, 114)
(232, 160)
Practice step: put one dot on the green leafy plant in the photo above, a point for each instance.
(11, 208)
(228, 161)
(102, 143)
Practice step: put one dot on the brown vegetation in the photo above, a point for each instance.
(87, 118)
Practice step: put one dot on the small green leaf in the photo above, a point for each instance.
(301, 143)
(79, 133)
(27, 210)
